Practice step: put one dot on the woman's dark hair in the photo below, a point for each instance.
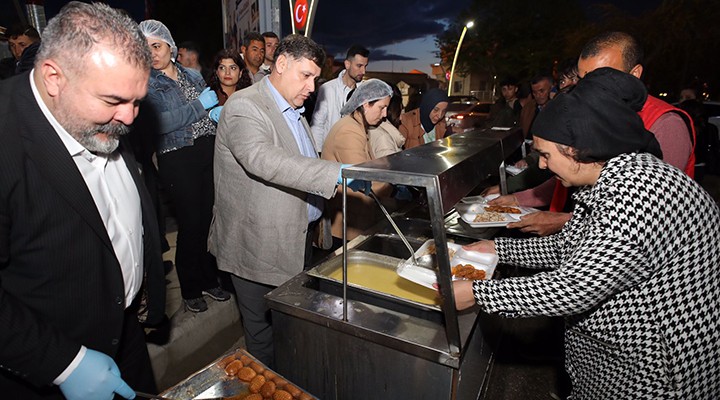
(568, 69)
(244, 78)
(581, 156)
(395, 107)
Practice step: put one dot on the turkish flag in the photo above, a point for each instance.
(300, 13)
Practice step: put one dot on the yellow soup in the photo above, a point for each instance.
(386, 280)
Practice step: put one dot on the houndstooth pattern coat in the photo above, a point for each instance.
(636, 274)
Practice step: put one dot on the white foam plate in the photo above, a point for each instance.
(468, 212)
(427, 277)
(513, 170)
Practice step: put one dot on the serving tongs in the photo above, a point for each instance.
(426, 260)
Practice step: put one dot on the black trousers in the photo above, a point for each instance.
(256, 317)
(133, 358)
(187, 175)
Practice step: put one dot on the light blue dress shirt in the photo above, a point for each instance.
(302, 137)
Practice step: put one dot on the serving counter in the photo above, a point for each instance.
(341, 340)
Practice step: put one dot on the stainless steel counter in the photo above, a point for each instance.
(343, 342)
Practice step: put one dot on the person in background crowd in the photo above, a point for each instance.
(270, 186)
(271, 43)
(568, 75)
(189, 57)
(524, 94)
(230, 75)
(540, 86)
(690, 92)
(253, 52)
(23, 42)
(541, 181)
(333, 94)
(178, 99)
(426, 123)
(506, 110)
(348, 143)
(386, 139)
(634, 272)
(77, 228)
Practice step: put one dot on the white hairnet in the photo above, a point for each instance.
(370, 90)
(157, 30)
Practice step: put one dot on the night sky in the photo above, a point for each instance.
(400, 44)
(400, 33)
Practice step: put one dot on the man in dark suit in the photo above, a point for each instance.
(78, 236)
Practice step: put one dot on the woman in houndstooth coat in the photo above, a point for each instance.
(635, 272)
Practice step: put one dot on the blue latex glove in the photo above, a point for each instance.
(96, 377)
(356, 185)
(360, 186)
(208, 98)
(214, 114)
(342, 167)
(402, 193)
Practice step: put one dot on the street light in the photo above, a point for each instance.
(457, 52)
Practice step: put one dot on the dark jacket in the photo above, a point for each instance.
(61, 285)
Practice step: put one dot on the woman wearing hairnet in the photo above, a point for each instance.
(348, 143)
(635, 271)
(426, 123)
(177, 103)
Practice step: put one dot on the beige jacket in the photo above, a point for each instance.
(385, 139)
(348, 143)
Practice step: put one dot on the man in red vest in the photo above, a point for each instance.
(672, 127)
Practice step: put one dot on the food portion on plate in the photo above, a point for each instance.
(467, 271)
(503, 209)
(489, 217)
(431, 249)
(481, 215)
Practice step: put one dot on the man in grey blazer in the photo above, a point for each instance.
(270, 185)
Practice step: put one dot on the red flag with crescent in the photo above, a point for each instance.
(300, 13)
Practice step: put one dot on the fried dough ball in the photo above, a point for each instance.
(226, 361)
(304, 396)
(256, 383)
(467, 271)
(267, 389)
(246, 374)
(233, 367)
(282, 395)
(253, 396)
(257, 367)
(280, 382)
(293, 390)
(269, 375)
(245, 360)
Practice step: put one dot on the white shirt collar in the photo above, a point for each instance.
(73, 146)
